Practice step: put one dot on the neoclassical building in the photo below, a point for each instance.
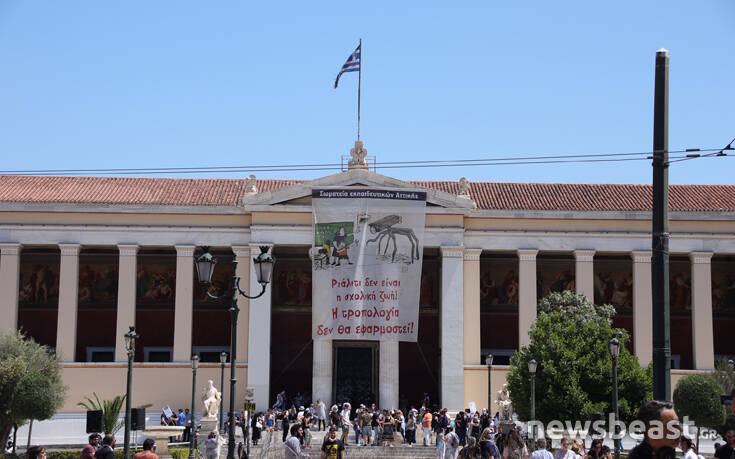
(83, 258)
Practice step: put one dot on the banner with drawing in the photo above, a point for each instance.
(366, 263)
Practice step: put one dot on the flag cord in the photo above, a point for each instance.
(359, 84)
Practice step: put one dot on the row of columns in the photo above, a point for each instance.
(126, 298)
(703, 344)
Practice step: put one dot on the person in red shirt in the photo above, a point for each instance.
(147, 453)
(89, 450)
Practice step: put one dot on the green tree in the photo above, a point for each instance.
(698, 397)
(30, 382)
(110, 411)
(724, 374)
(569, 341)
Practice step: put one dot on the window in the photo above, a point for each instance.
(158, 353)
(211, 354)
(100, 353)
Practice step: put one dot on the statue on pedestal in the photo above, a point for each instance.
(211, 400)
(505, 406)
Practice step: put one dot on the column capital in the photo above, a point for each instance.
(255, 246)
(700, 257)
(186, 251)
(451, 251)
(527, 254)
(70, 249)
(241, 251)
(10, 248)
(585, 256)
(472, 254)
(641, 256)
(128, 250)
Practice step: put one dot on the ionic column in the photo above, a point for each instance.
(184, 303)
(125, 297)
(9, 282)
(321, 372)
(526, 294)
(452, 329)
(584, 278)
(66, 324)
(471, 320)
(702, 339)
(642, 307)
(259, 336)
(242, 256)
(388, 374)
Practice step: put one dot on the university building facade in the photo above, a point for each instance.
(84, 258)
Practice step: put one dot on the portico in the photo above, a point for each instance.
(486, 259)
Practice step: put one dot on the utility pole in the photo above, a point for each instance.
(660, 242)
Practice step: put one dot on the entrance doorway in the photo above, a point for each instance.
(355, 373)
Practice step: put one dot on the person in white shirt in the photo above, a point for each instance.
(345, 420)
(687, 448)
(541, 451)
(564, 452)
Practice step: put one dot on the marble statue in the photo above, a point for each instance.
(211, 400)
(250, 186)
(464, 188)
(358, 154)
(505, 406)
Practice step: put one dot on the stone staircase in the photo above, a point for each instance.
(266, 448)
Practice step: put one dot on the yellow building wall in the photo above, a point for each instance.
(159, 384)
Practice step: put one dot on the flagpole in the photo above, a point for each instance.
(359, 84)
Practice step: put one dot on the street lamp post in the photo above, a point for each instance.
(532, 369)
(614, 352)
(489, 362)
(130, 338)
(222, 361)
(192, 429)
(205, 264)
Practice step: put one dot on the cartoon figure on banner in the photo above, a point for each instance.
(340, 246)
(384, 228)
(332, 244)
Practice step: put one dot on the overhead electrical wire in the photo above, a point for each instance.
(503, 161)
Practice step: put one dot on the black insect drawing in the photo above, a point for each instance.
(384, 228)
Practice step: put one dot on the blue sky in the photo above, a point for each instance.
(131, 84)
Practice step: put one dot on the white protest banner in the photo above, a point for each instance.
(366, 263)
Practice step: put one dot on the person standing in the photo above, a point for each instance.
(148, 446)
(541, 451)
(332, 448)
(471, 451)
(293, 444)
(662, 431)
(365, 420)
(488, 450)
(451, 440)
(727, 451)
(107, 449)
(411, 429)
(321, 414)
(426, 426)
(89, 450)
(564, 452)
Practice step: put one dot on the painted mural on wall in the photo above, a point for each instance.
(723, 288)
(39, 282)
(554, 276)
(155, 281)
(613, 284)
(367, 263)
(98, 283)
(680, 287)
(292, 285)
(499, 284)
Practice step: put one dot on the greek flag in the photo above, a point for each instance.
(352, 64)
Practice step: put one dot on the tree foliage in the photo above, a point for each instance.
(698, 398)
(110, 411)
(30, 382)
(569, 341)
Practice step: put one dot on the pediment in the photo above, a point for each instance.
(300, 194)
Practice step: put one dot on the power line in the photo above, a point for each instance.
(503, 161)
